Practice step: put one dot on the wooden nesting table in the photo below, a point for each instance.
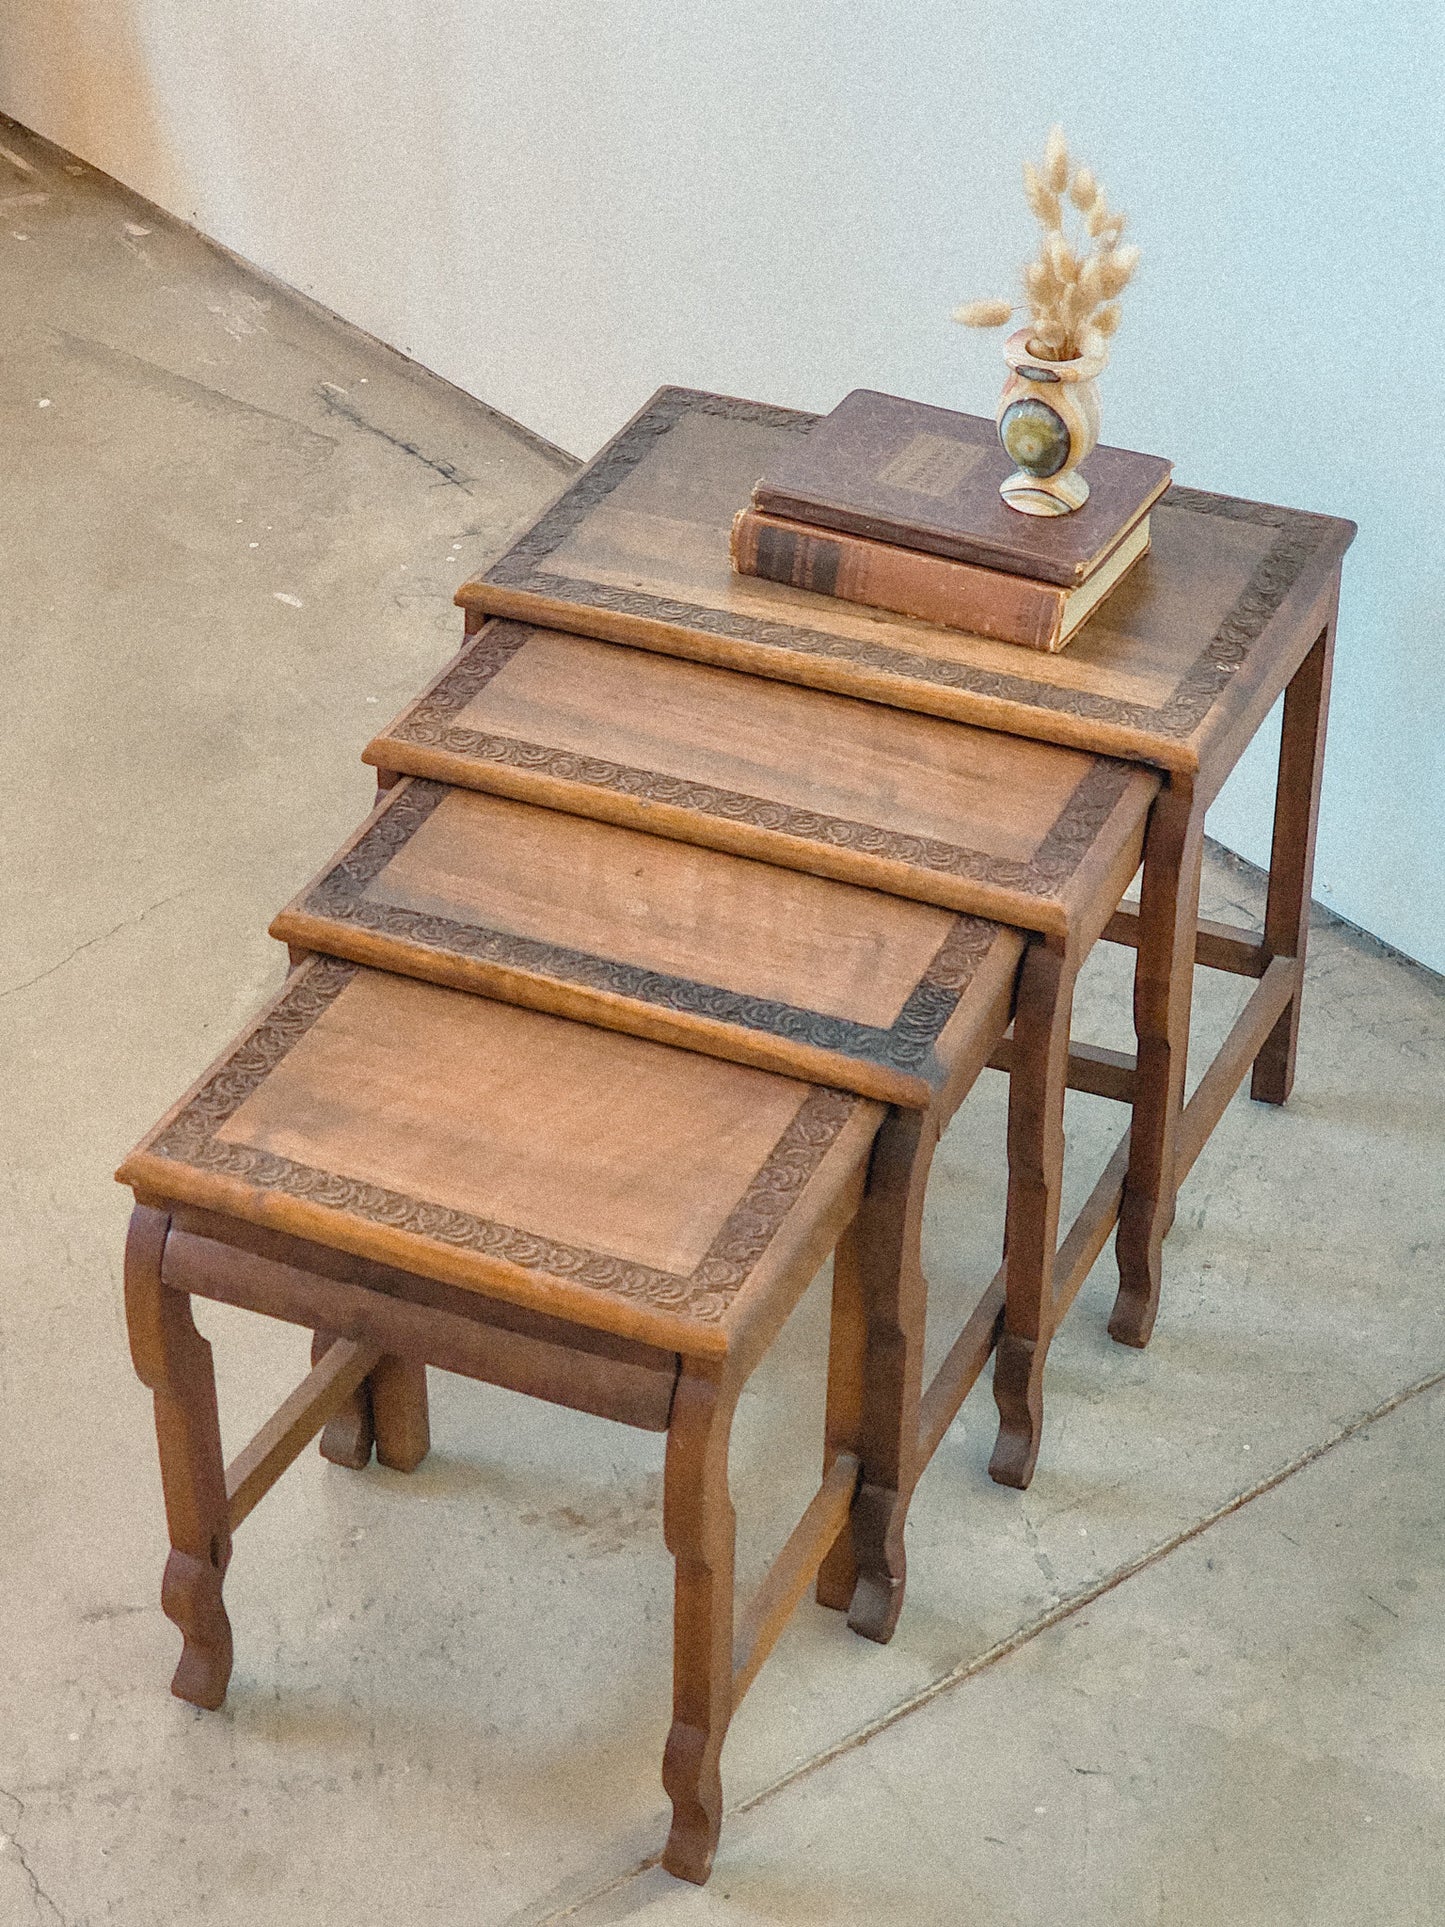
(691, 909)
(421, 1172)
(1233, 607)
(426, 1177)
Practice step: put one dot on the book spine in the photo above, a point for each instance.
(956, 595)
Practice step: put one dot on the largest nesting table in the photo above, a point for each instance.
(1234, 606)
(1009, 809)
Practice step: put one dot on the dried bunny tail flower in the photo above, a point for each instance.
(1116, 270)
(1056, 160)
(1075, 316)
(1084, 189)
(1091, 283)
(1044, 285)
(1044, 202)
(1043, 288)
(1062, 259)
(1069, 288)
(983, 314)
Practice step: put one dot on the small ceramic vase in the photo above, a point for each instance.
(1048, 421)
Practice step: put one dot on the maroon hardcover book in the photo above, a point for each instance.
(927, 478)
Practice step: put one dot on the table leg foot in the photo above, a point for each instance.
(349, 1435)
(879, 1516)
(400, 1413)
(1018, 1390)
(1272, 1078)
(837, 1579)
(694, 1785)
(1141, 1271)
(191, 1600)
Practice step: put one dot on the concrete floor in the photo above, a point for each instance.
(1192, 1676)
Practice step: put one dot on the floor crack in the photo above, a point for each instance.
(125, 923)
(10, 1846)
(335, 403)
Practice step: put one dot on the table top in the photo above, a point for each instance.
(636, 551)
(773, 967)
(641, 1190)
(1024, 832)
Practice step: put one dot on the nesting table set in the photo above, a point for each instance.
(692, 908)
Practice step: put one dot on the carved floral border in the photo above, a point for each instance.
(341, 897)
(431, 724)
(1300, 534)
(703, 1294)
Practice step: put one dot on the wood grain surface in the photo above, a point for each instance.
(581, 1171)
(636, 551)
(964, 818)
(668, 940)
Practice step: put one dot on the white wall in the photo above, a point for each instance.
(560, 204)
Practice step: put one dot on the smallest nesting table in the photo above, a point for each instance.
(427, 1177)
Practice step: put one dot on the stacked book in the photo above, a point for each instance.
(895, 504)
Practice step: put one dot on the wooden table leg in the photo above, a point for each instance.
(847, 1362)
(173, 1359)
(1292, 855)
(875, 1390)
(1036, 1170)
(400, 1413)
(389, 1410)
(699, 1526)
(347, 1438)
(1163, 995)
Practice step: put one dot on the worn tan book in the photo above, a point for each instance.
(982, 602)
(927, 478)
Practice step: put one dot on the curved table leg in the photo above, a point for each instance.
(847, 1349)
(1037, 1084)
(875, 1378)
(699, 1526)
(348, 1436)
(174, 1361)
(1292, 853)
(1163, 994)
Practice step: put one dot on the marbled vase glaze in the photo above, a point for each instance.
(1048, 421)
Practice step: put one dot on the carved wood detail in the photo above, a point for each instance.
(431, 725)
(523, 566)
(905, 1045)
(704, 1294)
